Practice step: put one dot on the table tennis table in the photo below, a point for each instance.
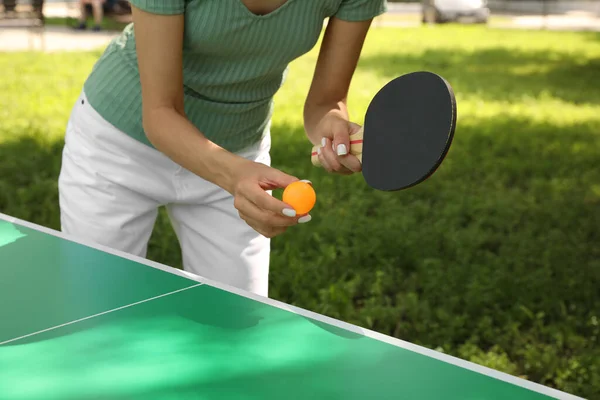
(81, 321)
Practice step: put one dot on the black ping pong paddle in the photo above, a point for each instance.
(409, 126)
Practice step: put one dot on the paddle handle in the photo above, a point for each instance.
(356, 147)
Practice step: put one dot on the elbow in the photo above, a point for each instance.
(153, 118)
(149, 126)
(148, 123)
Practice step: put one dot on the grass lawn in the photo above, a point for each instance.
(495, 259)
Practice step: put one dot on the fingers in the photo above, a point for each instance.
(329, 158)
(275, 179)
(265, 230)
(341, 142)
(350, 162)
(250, 210)
(263, 212)
(341, 145)
(340, 160)
(262, 200)
(255, 204)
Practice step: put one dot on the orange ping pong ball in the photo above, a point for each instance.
(301, 196)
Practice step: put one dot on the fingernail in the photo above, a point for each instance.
(319, 150)
(304, 219)
(323, 142)
(289, 212)
(341, 149)
(306, 181)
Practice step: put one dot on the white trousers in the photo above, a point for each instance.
(110, 189)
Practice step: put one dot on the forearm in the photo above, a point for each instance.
(175, 136)
(315, 111)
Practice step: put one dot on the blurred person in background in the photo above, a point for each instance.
(97, 11)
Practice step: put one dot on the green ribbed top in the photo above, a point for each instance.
(234, 62)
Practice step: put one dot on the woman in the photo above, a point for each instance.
(177, 111)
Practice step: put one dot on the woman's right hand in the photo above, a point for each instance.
(263, 212)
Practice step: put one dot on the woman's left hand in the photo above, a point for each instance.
(334, 146)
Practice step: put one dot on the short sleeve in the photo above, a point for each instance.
(360, 10)
(164, 7)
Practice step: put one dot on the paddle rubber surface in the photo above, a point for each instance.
(408, 129)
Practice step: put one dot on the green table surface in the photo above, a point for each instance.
(80, 323)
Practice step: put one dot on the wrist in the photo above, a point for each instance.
(188, 147)
(318, 116)
(221, 167)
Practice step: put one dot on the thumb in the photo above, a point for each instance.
(276, 179)
(341, 138)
